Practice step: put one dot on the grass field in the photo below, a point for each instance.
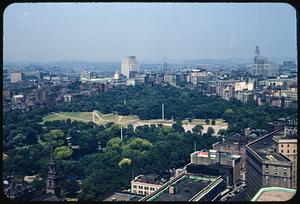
(134, 120)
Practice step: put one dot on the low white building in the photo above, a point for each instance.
(145, 185)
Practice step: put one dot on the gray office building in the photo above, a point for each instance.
(266, 166)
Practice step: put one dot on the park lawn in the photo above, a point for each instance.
(131, 119)
(80, 116)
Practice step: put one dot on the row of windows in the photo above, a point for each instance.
(275, 173)
(267, 177)
(275, 167)
(286, 145)
(142, 192)
(144, 187)
(288, 151)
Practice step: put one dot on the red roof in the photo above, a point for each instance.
(202, 153)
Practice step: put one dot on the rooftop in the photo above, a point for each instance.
(185, 188)
(289, 134)
(274, 194)
(48, 197)
(123, 196)
(265, 147)
(149, 178)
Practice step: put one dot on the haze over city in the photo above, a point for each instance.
(99, 32)
(150, 102)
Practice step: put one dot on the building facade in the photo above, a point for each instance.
(129, 64)
(15, 77)
(223, 163)
(287, 145)
(262, 67)
(266, 166)
(144, 185)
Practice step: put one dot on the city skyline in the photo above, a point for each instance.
(49, 31)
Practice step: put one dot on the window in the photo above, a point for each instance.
(50, 183)
(275, 172)
(282, 145)
(140, 187)
(267, 172)
(140, 192)
(151, 188)
(282, 151)
(294, 151)
(267, 177)
(284, 173)
(146, 188)
(288, 145)
(288, 151)
(284, 179)
(134, 186)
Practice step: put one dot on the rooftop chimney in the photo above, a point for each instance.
(172, 189)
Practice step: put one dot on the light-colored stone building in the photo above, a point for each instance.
(145, 184)
(287, 145)
(15, 77)
(129, 64)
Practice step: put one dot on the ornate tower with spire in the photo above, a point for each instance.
(256, 54)
(52, 185)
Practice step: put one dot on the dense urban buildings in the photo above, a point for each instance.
(251, 163)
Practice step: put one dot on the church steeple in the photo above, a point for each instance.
(52, 185)
(52, 163)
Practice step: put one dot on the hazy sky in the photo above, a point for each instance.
(158, 31)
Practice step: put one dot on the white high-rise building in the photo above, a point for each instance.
(15, 77)
(129, 64)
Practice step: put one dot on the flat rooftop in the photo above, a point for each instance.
(274, 194)
(123, 196)
(150, 178)
(265, 147)
(280, 135)
(187, 187)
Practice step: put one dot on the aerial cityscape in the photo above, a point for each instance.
(150, 102)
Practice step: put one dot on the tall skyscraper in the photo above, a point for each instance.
(129, 64)
(15, 77)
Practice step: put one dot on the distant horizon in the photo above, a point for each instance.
(148, 61)
(107, 32)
